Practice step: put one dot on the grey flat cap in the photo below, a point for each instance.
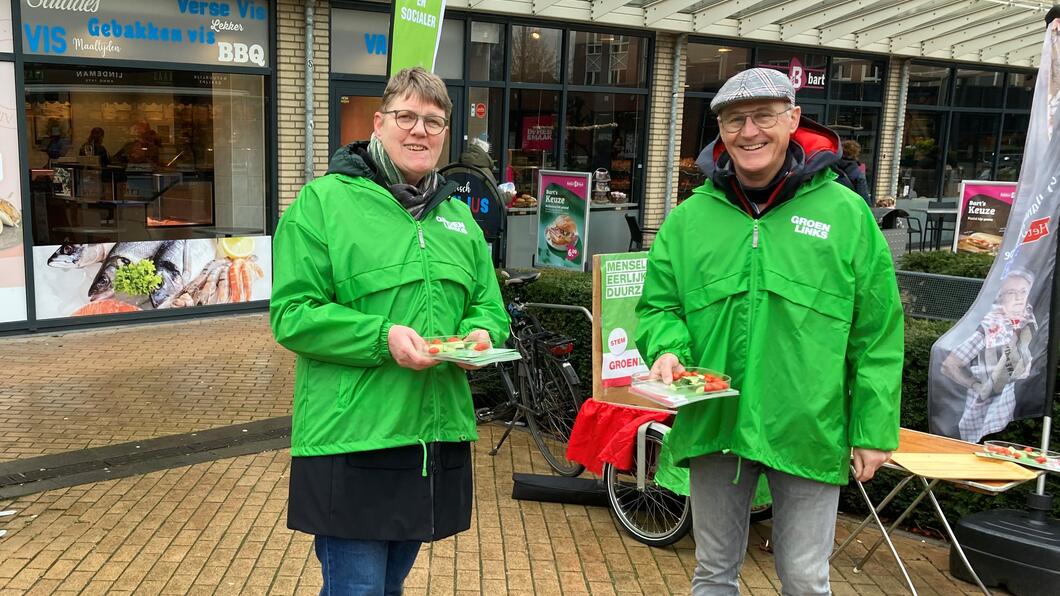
(751, 84)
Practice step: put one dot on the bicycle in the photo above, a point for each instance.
(652, 514)
(542, 387)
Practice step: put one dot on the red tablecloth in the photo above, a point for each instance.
(605, 432)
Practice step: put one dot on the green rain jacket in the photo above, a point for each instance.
(800, 307)
(350, 262)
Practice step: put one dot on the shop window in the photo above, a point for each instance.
(919, 175)
(532, 137)
(485, 120)
(359, 41)
(1013, 138)
(861, 124)
(603, 133)
(1020, 90)
(144, 154)
(973, 138)
(5, 27)
(487, 52)
(979, 88)
(709, 66)
(607, 59)
(857, 79)
(928, 85)
(535, 54)
(699, 128)
(359, 44)
(808, 72)
(449, 64)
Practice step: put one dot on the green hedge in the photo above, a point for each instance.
(560, 287)
(961, 264)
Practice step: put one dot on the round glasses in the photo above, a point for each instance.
(407, 119)
(762, 118)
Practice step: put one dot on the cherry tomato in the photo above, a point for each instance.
(436, 341)
(482, 346)
(433, 350)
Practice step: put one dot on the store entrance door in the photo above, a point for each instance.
(352, 107)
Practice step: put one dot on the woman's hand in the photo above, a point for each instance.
(477, 335)
(407, 347)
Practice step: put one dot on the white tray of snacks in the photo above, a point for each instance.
(691, 386)
(1032, 457)
(455, 349)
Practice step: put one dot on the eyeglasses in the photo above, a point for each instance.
(407, 119)
(734, 122)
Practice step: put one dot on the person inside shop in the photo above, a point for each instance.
(851, 173)
(370, 260)
(94, 147)
(142, 149)
(57, 142)
(792, 293)
(989, 362)
(477, 153)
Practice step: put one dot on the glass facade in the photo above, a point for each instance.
(843, 92)
(542, 97)
(137, 154)
(962, 124)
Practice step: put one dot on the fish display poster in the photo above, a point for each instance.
(983, 214)
(562, 219)
(12, 261)
(72, 280)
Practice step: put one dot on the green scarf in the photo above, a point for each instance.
(412, 198)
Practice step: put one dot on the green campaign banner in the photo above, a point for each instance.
(417, 29)
(621, 284)
(562, 219)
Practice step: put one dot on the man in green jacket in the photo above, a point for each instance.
(777, 275)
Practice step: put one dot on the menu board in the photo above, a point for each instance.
(983, 214)
(563, 219)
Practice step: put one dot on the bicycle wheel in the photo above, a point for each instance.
(550, 414)
(654, 516)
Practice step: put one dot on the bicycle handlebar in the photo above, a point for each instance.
(545, 305)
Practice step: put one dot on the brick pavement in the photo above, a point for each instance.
(219, 527)
(73, 390)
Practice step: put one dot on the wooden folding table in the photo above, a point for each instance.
(915, 442)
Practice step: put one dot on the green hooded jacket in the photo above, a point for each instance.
(800, 307)
(349, 263)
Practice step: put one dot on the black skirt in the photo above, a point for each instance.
(383, 494)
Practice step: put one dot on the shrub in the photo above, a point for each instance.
(961, 264)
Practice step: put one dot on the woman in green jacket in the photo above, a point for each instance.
(370, 259)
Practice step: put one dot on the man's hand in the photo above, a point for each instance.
(664, 368)
(406, 347)
(478, 335)
(867, 461)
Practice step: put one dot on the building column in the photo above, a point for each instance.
(290, 103)
(659, 139)
(892, 125)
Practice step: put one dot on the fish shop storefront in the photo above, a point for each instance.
(138, 158)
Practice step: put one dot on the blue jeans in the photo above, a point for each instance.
(804, 514)
(364, 567)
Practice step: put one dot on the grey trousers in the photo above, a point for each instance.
(804, 515)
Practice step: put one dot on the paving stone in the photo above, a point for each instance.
(220, 527)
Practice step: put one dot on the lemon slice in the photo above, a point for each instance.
(237, 248)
